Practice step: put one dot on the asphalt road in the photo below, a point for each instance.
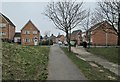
(60, 67)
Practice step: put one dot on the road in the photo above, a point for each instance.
(60, 67)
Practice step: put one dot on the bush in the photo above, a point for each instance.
(47, 42)
(7, 40)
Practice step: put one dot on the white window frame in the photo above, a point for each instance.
(2, 25)
(91, 32)
(26, 32)
(2, 33)
(34, 32)
(26, 40)
(91, 40)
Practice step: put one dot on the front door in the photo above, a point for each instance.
(35, 41)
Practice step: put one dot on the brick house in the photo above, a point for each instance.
(7, 28)
(30, 35)
(60, 38)
(103, 34)
(77, 36)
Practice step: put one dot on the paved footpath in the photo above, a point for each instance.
(60, 67)
(83, 54)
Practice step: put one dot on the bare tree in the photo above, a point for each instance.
(46, 33)
(66, 15)
(86, 26)
(110, 11)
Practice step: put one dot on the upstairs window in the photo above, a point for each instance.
(26, 32)
(34, 32)
(2, 25)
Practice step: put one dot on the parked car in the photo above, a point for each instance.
(65, 43)
(73, 43)
(59, 42)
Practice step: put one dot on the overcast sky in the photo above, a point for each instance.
(21, 12)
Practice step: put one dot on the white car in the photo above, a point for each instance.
(59, 42)
(65, 43)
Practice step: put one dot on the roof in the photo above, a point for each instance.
(59, 36)
(7, 19)
(98, 25)
(76, 32)
(17, 34)
(32, 24)
(45, 37)
(52, 37)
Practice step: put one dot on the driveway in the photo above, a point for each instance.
(60, 67)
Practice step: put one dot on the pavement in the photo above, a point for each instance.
(60, 67)
(86, 56)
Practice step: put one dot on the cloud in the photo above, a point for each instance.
(46, 0)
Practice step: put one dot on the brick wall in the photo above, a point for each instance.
(101, 36)
(9, 30)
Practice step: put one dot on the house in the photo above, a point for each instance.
(60, 38)
(30, 35)
(103, 34)
(7, 28)
(77, 36)
(53, 38)
(45, 38)
(17, 37)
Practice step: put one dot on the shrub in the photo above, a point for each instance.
(6, 40)
(47, 42)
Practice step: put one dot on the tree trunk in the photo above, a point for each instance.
(68, 41)
(69, 46)
(118, 30)
(118, 43)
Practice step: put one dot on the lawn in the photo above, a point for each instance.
(90, 72)
(24, 62)
(109, 53)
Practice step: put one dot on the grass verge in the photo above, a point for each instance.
(109, 53)
(24, 62)
(91, 72)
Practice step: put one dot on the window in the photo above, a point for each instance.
(2, 33)
(91, 40)
(2, 25)
(26, 40)
(34, 32)
(26, 32)
(91, 32)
